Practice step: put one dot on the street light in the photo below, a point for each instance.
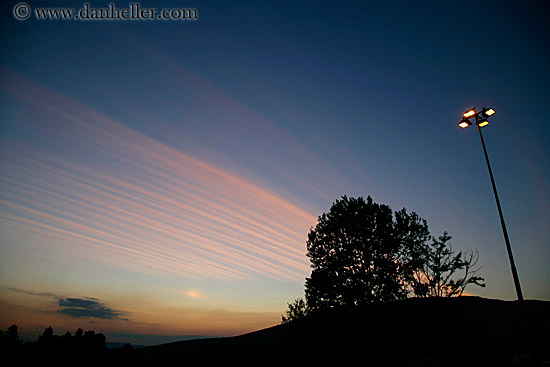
(464, 123)
(481, 119)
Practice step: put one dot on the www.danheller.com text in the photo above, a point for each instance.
(134, 11)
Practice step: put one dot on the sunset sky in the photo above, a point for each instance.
(159, 177)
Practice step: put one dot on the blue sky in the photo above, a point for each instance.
(169, 171)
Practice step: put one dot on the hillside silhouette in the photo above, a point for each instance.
(458, 331)
(462, 331)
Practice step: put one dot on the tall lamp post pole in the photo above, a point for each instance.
(481, 120)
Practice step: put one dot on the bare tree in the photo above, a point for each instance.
(435, 277)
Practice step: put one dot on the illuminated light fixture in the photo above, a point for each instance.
(464, 123)
(470, 113)
(489, 112)
(483, 122)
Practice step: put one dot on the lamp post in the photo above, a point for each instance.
(481, 119)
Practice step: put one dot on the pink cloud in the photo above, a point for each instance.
(137, 203)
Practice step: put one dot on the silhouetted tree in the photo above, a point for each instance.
(47, 338)
(66, 341)
(93, 341)
(11, 345)
(85, 348)
(439, 263)
(10, 337)
(411, 232)
(12, 334)
(360, 255)
(296, 310)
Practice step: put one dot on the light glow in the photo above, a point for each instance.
(483, 123)
(470, 113)
(490, 112)
(464, 124)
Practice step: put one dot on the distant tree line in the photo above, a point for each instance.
(83, 348)
(362, 252)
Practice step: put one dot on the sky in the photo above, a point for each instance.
(158, 178)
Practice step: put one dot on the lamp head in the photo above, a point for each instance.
(482, 122)
(464, 123)
(488, 112)
(471, 112)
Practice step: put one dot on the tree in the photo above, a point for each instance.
(10, 337)
(12, 334)
(93, 341)
(47, 336)
(439, 263)
(78, 334)
(296, 310)
(359, 255)
(11, 346)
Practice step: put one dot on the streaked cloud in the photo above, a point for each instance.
(113, 195)
(241, 130)
(30, 293)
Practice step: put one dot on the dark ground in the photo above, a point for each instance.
(462, 331)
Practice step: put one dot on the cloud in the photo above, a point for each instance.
(77, 307)
(120, 199)
(190, 293)
(31, 293)
(87, 307)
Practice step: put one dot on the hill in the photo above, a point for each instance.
(414, 332)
